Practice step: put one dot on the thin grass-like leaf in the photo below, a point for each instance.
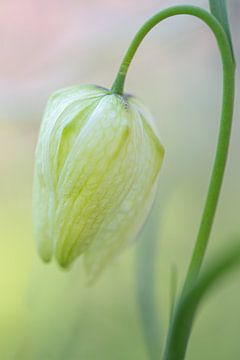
(183, 317)
(219, 10)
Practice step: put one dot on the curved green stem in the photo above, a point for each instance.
(225, 126)
(226, 117)
(156, 19)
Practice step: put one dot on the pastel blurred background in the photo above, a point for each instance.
(48, 314)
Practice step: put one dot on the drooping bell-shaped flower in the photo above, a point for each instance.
(97, 164)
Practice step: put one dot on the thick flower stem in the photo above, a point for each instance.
(222, 146)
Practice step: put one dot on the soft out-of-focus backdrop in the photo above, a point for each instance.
(46, 313)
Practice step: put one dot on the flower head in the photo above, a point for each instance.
(97, 163)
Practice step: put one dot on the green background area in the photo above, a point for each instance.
(46, 313)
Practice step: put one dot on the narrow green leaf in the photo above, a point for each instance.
(183, 317)
(145, 282)
(173, 288)
(219, 10)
